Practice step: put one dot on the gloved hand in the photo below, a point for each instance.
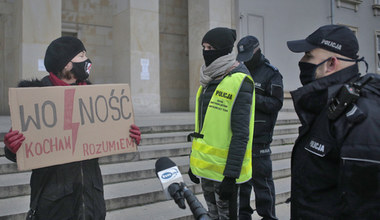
(193, 178)
(13, 140)
(135, 133)
(226, 188)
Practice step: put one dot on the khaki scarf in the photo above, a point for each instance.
(218, 68)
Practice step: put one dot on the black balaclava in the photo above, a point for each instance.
(254, 61)
(222, 39)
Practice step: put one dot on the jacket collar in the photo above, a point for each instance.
(260, 63)
(331, 83)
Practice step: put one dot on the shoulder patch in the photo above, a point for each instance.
(271, 66)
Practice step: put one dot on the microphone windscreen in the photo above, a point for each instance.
(164, 163)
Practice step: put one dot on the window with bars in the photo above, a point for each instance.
(376, 7)
(72, 34)
(349, 4)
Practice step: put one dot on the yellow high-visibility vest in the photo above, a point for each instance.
(209, 153)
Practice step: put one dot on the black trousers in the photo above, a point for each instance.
(262, 183)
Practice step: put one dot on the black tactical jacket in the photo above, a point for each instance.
(336, 163)
(269, 100)
(70, 191)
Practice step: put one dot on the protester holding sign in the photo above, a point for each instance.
(72, 190)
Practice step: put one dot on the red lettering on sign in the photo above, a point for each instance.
(99, 151)
(85, 149)
(45, 145)
(36, 147)
(68, 115)
(28, 150)
(130, 142)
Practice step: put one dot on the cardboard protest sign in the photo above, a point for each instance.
(63, 124)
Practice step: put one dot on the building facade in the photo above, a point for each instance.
(155, 45)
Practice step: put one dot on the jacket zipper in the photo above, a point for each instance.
(360, 160)
(201, 110)
(83, 205)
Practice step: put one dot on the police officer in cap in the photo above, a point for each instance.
(336, 158)
(269, 99)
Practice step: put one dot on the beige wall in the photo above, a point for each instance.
(8, 76)
(117, 35)
(174, 56)
(203, 16)
(26, 29)
(37, 24)
(92, 21)
(136, 52)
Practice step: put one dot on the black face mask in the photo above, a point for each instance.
(307, 71)
(254, 61)
(211, 55)
(81, 70)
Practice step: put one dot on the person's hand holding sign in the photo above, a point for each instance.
(13, 140)
(135, 133)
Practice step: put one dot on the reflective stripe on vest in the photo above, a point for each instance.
(209, 154)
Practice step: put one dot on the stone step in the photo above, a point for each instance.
(17, 184)
(129, 179)
(287, 105)
(2, 148)
(189, 126)
(128, 194)
(168, 123)
(180, 118)
(164, 139)
(181, 136)
(144, 153)
(282, 211)
(147, 191)
(154, 151)
(169, 210)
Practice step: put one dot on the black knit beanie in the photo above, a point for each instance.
(220, 38)
(61, 51)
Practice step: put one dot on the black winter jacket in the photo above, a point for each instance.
(336, 163)
(72, 190)
(269, 100)
(240, 117)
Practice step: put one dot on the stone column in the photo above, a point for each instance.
(136, 52)
(203, 16)
(7, 55)
(37, 23)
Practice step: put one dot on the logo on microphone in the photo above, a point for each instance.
(169, 174)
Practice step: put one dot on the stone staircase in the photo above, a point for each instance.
(132, 190)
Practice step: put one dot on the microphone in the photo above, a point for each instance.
(174, 187)
(196, 207)
(168, 173)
